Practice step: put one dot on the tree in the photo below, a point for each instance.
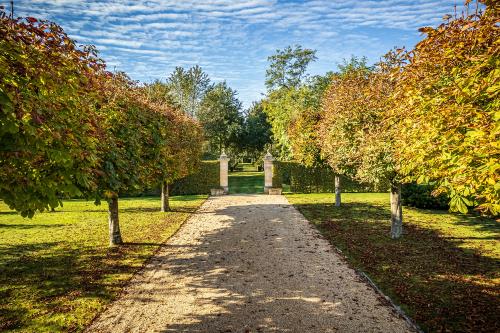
(132, 146)
(287, 67)
(161, 93)
(220, 117)
(447, 112)
(47, 121)
(353, 136)
(288, 94)
(182, 155)
(302, 129)
(188, 87)
(257, 133)
(182, 140)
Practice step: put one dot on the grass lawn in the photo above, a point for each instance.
(56, 270)
(247, 181)
(444, 272)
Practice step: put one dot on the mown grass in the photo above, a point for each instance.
(444, 272)
(246, 181)
(57, 271)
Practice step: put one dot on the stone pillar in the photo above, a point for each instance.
(224, 170)
(268, 172)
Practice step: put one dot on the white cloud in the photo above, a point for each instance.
(232, 38)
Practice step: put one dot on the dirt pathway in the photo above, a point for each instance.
(248, 263)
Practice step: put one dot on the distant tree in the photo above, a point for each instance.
(302, 129)
(354, 63)
(220, 117)
(161, 92)
(188, 87)
(182, 155)
(182, 141)
(288, 67)
(257, 132)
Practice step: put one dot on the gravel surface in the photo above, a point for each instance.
(248, 263)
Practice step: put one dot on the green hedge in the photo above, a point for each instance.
(420, 196)
(199, 182)
(302, 179)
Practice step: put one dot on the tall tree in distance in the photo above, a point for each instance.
(257, 131)
(285, 80)
(220, 117)
(287, 67)
(187, 87)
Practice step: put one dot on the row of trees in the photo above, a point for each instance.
(217, 107)
(427, 115)
(69, 128)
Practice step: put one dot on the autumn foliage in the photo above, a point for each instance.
(428, 115)
(447, 109)
(70, 128)
(47, 115)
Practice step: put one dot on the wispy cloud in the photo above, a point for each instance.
(231, 39)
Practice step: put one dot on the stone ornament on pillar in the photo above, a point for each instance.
(224, 170)
(268, 172)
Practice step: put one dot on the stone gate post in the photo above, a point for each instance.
(224, 169)
(268, 172)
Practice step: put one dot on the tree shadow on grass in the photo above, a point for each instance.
(39, 281)
(444, 286)
(12, 212)
(28, 226)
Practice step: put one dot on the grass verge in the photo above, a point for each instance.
(444, 272)
(246, 182)
(57, 271)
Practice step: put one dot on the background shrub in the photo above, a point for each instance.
(420, 196)
(302, 179)
(201, 181)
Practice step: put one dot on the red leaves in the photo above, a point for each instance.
(31, 19)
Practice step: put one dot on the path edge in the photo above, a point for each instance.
(143, 266)
(363, 276)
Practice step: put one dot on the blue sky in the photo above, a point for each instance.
(231, 39)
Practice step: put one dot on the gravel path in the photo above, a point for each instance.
(248, 263)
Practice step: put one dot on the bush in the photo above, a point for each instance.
(420, 196)
(304, 179)
(200, 182)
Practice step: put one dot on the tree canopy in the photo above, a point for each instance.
(447, 109)
(287, 67)
(220, 116)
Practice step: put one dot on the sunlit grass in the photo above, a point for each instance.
(57, 271)
(247, 181)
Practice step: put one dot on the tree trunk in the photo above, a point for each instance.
(337, 191)
(165, 203)
(396, 211)
(115, 237)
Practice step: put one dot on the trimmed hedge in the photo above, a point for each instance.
(200, 182)
(304, 179)
(420, 196)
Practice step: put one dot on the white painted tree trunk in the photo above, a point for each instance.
(115, 237)
(165, 198)
(337, 191)
(396, 212)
